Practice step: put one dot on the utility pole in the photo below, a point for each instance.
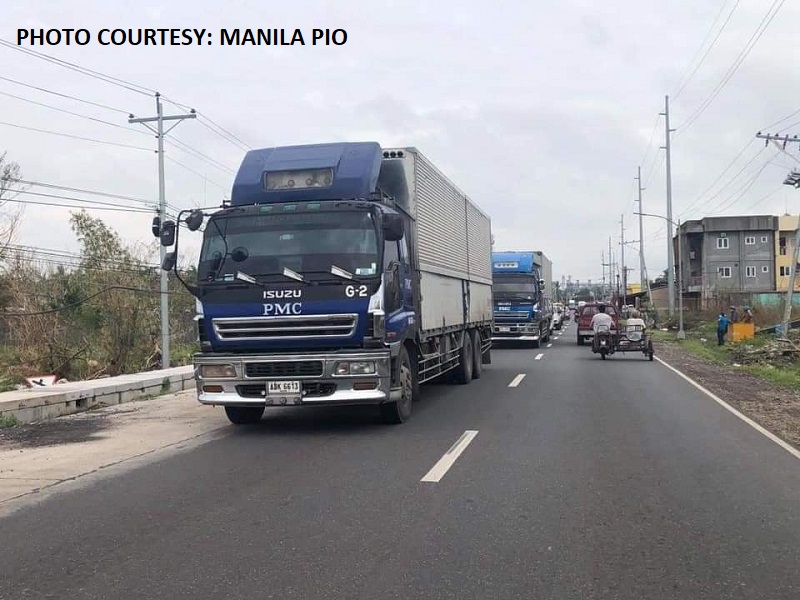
(622, 258)
(792, 179)
(603, 264)
(162, 209)
(670, 249)
(641, 232)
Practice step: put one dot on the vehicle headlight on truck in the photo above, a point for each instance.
(217, 371)
(361, 367)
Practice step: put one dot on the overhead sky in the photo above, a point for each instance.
(539, 111)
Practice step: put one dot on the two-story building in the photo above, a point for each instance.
(727, 254)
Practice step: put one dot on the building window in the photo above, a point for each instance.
(782, 244)
(764, 239)
(785, 271)
(765, 269)
(750, 240)
(749, 271)
(722, 243)
(724, 272)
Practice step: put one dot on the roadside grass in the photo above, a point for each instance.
(8, 421)
(701, 341)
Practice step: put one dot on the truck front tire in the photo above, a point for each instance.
(244, 415)
(399, 411)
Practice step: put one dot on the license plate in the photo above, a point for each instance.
(504, 329)
(283, 388)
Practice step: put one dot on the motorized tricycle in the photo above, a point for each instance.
(631, 336)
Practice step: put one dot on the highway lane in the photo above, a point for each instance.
(586, 479)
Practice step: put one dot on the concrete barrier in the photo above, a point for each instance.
(42, 403)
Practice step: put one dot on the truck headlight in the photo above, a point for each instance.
(362, 368)
(217, 371)
(366, 367)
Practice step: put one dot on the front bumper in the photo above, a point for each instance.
(516, 331)
(319, 385)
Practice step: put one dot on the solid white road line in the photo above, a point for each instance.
(790, 449)
(539, 357)
(517, 380)
(440, 468)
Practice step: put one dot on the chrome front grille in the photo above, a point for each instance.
(296, 327)
(511, 314)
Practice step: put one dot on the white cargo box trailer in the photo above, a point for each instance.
(451, 240)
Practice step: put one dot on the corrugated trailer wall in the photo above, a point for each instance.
(454, 243)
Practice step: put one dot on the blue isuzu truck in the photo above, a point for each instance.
(522, 303)
(338, 274)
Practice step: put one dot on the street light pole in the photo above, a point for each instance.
(681, 332)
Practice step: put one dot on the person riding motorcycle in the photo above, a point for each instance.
(601, 319)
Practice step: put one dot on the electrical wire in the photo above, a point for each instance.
(75, 137)
(133, 87)
(760, 29)
(69, 112)
(63, 205)
(708, 50)
(41, 89)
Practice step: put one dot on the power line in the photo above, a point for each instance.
(62, 205)
(211, 181)
(762, 27)
(223, 133)
(180, 145)
(708, 50)
(721, 175)
(92, 202)
(83, 70)
(739, 194)
(69, 112)
(41, 89)
(75, 137)
(92, 192)
(787, 117)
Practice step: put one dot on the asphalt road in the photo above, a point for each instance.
(589, 479)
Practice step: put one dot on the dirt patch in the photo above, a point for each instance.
(84, 427)
(774, 407)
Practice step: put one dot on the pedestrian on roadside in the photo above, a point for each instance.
(734, 315)
(722, 328)
(747, 317)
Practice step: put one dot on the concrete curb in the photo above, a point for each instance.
(39, 404)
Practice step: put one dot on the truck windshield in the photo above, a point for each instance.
(305, 242)
(515, 287)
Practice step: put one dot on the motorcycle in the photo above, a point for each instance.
(604, 343)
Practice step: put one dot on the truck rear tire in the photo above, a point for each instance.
(399, 411)
(463, 373)
(477, 359)
(244, 415)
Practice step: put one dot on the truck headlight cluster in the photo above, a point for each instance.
(363, 367)
(217, 371)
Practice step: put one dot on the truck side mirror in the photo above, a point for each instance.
(393, 227)
(541, 284)
(195, 220)
(167, 233)
(170, 259)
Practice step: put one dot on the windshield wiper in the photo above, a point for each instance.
(287, 272)
(340, 272)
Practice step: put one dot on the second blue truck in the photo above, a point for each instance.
(521, 289)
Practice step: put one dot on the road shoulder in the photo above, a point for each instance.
(774, 407)
(37, 458)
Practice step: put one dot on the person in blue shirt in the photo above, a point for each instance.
(722, 328)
